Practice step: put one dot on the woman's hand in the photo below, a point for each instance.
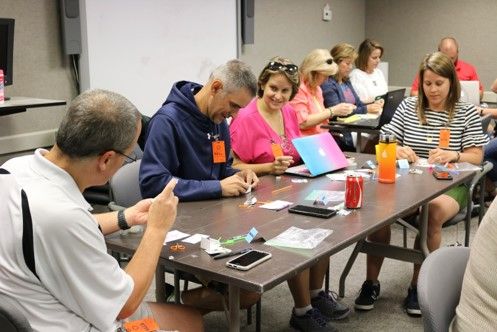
(375, 108)
(281, 164)
(343, 109)
(440, 156)
(405, 152)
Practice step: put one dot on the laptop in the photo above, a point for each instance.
(392, 101)
(470, 92)
(320, 154)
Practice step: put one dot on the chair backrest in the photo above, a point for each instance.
(124, 185)
(12, 318)
(439, 286)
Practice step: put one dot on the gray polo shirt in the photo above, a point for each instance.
(80, 286)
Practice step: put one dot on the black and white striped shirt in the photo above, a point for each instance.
(465, 128)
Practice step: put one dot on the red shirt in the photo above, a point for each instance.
(465, 72)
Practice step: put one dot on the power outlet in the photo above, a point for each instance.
(327, 13)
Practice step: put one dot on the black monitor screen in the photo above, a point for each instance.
(7, 48)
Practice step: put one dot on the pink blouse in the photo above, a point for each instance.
(251, 135)
(304, 104)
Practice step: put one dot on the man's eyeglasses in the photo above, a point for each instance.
(131, 158)
(289, 68)
(329, 61)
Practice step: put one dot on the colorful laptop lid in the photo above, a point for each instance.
(320, 154)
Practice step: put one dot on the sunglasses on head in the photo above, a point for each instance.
(290, 69)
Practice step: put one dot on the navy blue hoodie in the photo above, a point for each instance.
(179, 144)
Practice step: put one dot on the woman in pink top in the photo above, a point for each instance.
(261, 137)
(262, 132)
(317, 66)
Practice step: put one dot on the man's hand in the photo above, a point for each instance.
(238, 183)
(163, 208)
(138, 213)
(280, 164)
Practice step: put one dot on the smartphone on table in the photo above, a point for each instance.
(314, 211)
(248, 260)
(442, 175)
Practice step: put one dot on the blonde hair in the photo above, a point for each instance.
(316, 62)
(442, 65)
(341, 52)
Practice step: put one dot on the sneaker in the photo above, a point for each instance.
(369, 294)
(411, 304)
(313, 321)
(328, 305)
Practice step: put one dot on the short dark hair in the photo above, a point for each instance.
(365, 49)
(97, 121)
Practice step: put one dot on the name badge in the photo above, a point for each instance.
(444, 138)
(143, 325)
(277, 150)
(218, 152)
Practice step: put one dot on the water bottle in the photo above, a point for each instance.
(2, 93)
(385, 156)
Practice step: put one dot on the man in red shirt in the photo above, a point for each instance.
(464, 70)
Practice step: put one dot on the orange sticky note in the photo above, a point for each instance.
(277, 150)
(143, 325)
(218, 152)
(444, 138)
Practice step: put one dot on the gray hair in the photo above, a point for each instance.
(97, 121)
(235, 75)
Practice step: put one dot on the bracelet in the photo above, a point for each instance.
(121, 220)
(331, 111)
(458, 157)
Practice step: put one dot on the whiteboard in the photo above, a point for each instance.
(139, 48)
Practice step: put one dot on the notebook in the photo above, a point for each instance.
(392, 101)
(320, 154)
(470, 92)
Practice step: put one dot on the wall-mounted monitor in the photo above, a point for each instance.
(7, 48)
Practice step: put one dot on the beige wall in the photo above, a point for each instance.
(40, 70)
(409, 29)
(292, 28)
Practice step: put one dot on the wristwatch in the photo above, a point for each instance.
(121, 220)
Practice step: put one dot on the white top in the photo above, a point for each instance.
(368, 86)
(81, 287)
(477, 307)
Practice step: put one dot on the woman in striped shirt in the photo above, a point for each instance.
(417, 126)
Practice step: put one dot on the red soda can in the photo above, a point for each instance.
(354, 187)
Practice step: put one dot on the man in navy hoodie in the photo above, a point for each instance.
(188, 138)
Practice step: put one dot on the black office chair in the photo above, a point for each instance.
(12, 318)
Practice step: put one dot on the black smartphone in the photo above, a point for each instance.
(442, 175)
(312, 211)
(248, 260)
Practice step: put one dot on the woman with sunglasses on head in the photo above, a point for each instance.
(338, 88)
(262, 130)
(317, 66)
(368, 81)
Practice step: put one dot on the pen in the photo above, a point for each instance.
(233, 253)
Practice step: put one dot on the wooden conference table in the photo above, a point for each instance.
(383, 204)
